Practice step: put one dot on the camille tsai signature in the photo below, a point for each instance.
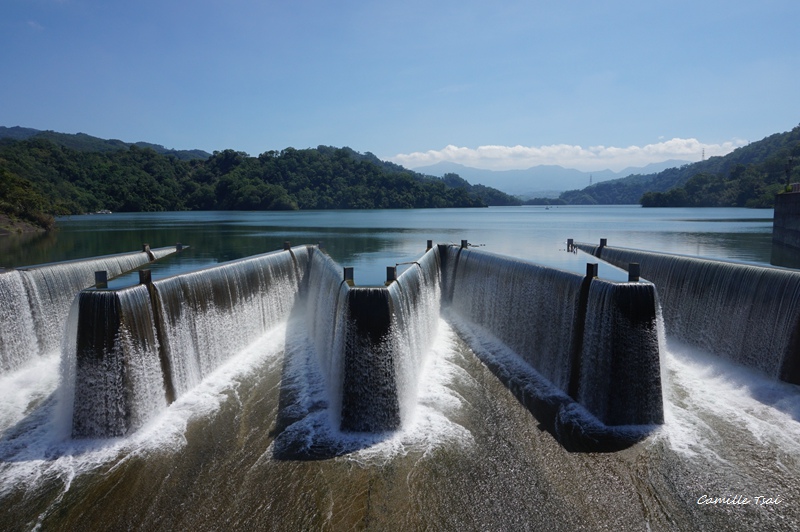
(739, 500)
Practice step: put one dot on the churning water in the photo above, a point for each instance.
(254, 445)
(469, 458)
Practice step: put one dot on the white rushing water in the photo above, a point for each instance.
(36, 302)
(744, 313)
(416, 300)
(18, 341)
(719, 417)
(268, 388)
(34, 450)
(211, 314)
(712, 405)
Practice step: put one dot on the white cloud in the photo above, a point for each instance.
(35, 25)
(568, 156)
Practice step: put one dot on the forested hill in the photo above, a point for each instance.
(39, 177)
(84, 142)
(749, 176)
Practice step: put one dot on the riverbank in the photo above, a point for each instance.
(9, 225)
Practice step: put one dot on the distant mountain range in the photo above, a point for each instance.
(84, 142)
(543, 181)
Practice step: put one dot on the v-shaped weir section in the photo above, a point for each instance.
(744, 313)
(588, 347)
(35, 301)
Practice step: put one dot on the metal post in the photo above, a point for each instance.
(464, 244)
(430, 245)
(145, 277)
(391, 274)
(101, 279)
(287, 245)
(591, 270)
(348, 275)
(633, 272)
(150, 255)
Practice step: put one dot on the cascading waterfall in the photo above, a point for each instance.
(416, 303)
(371, 343)
(326, 297)
(530, 308)
(592, 341)
(593, 344)
(17, 335)
(118, 380)
(43, 305)
(139, 348)
(208, 315)
(370, 401)
(744, 313)
(620, 379)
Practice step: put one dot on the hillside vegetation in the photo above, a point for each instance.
(39, 177)
(749, 176)
(84, 142)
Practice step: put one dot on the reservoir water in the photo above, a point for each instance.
(371, 240)
(471, 457)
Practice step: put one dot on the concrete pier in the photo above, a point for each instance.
(745, 313)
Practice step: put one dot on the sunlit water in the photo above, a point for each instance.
(471, 457)
(371, 240)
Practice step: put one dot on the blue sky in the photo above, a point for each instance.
(493, 84)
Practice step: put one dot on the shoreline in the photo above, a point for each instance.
(9, 226)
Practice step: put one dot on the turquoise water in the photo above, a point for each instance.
(371, 240)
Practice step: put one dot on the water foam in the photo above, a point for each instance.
(36, 302)
(35, 452)
(311, 430)
(25, 389)
(711, 403)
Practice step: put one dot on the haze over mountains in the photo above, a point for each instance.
(543, 181)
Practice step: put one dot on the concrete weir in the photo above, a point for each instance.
(580, 352)
(372, 341)
(137, 349)
(37, 299)
(744, 313)
(589, 347)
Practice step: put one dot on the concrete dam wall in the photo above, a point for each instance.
(36, 301)
(372, 341)
(594, 342)
(744, 313)
(591, 345)
(137, 349)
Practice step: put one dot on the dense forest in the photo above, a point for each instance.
(40, 176)
(749, 176)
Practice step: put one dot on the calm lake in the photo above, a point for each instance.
(371, 240)
(473, 458)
